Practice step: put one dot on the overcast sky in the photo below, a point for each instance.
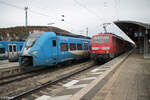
(79, 14)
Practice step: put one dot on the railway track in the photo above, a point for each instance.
(20, 76)
(54, 81)
(11, 80)
(17, 73)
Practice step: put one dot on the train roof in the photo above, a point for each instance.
(72, 35)
(109, 34)
(68, 34)
(11, 41)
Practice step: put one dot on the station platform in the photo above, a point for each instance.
(127, 79)
(131, 81)
(6, 64)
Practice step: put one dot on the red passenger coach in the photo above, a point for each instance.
(106, 46)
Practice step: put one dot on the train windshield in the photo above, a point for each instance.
(32, 39)
(101, 39)
(30, 42)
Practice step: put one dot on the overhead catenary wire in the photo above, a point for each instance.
(89, 10)
(22, 8)
(117, 8)
(11, 5)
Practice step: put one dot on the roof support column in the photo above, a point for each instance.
(146, 54)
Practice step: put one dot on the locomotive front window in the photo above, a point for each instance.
(2, 50)
(30, 42)
(101, 39)
(32, 39)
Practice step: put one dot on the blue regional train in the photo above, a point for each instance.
(50, 48)
(10, 50)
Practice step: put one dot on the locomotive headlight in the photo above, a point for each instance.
(105, 48)
(95, 48)
(34, 52)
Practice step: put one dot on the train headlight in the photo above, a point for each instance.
(105, 48)
(95, 48)
(34, 52)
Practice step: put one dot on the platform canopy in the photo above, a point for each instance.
(134, 29)
(139, 33)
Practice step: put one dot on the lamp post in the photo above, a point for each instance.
(87, 31)
(51, 26)
(145, 43)
(26, 19)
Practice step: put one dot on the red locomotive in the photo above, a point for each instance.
(107, 46)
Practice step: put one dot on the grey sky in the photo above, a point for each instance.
(79, 14)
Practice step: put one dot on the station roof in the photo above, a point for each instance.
(129, 23)
(131, 28)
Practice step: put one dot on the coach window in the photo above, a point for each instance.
(79, 46)
(85, 46)
(72, 46)
(2, 50)
(121, 42)
(64, 46)
(54, 43)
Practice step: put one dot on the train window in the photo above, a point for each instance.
(54, 43)
(21, 47)
(72, 46)
(30, 42)
(64, 46)
(85, 46)
(14, 48)
(10, 48)
(119, 41)
(2, 50)
(79, 46)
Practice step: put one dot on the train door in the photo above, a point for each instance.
(54, 51)
(12, 52)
